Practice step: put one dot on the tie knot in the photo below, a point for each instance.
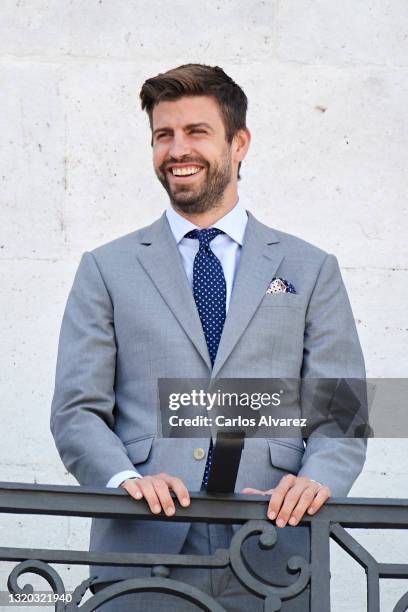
(204, 236)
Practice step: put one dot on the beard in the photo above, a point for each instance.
(202, 198)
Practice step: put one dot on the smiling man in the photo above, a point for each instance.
(205, 291)
(202, 182)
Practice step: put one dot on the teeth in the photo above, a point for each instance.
(185, 171)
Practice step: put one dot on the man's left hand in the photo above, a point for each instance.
(293, 496)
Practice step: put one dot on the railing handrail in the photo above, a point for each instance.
(100, 502)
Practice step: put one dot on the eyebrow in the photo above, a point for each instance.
(187, 127)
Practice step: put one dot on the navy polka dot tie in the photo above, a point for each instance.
(210, 294)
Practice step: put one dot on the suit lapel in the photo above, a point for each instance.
(158, 254)
(259, 261)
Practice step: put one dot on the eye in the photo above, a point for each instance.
(198, 131)
(161, 135)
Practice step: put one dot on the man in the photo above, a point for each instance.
(206, 291)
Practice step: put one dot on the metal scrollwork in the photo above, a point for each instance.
(41, 569)
(79, 593)
(152, 585)
(268, 537)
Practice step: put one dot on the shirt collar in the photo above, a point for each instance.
(233, 223)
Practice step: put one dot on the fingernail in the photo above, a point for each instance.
(156, 509)
(185, 501)
(280, 523)
(311, 511)
(292, 520)
(138, 495)
(272, 515)
(170, 511)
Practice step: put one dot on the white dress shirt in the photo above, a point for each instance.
(227, 247)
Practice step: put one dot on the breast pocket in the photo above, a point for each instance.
(285, 456)
(282, 300)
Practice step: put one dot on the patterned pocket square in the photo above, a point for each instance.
(280, 285)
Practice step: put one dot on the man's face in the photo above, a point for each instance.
(191, 156)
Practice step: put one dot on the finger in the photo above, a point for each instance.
(322, 496)
(162, 491)
(292, 497)
(149, 493)
(278, 495)
(304, 503)
(179, 489)
(251, 491)
(130, 485)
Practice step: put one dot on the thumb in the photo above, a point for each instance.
(250, 491)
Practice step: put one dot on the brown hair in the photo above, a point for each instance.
(199, 80)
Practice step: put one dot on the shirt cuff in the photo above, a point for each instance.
(117, 479)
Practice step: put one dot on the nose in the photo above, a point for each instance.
(179, 146)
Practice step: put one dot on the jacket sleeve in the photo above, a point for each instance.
(331, 350)
(82, 412)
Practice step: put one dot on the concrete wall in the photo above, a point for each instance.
(328, 89)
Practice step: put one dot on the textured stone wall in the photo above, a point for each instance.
(328, 92)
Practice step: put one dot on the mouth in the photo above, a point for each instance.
(181, 174)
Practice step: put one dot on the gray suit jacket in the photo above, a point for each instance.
(131, 319)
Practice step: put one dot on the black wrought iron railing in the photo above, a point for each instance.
(334, 520)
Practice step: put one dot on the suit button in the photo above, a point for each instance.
(199, 453)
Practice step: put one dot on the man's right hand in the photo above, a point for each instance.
(155, 489)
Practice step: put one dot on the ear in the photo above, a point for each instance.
(241, 142)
